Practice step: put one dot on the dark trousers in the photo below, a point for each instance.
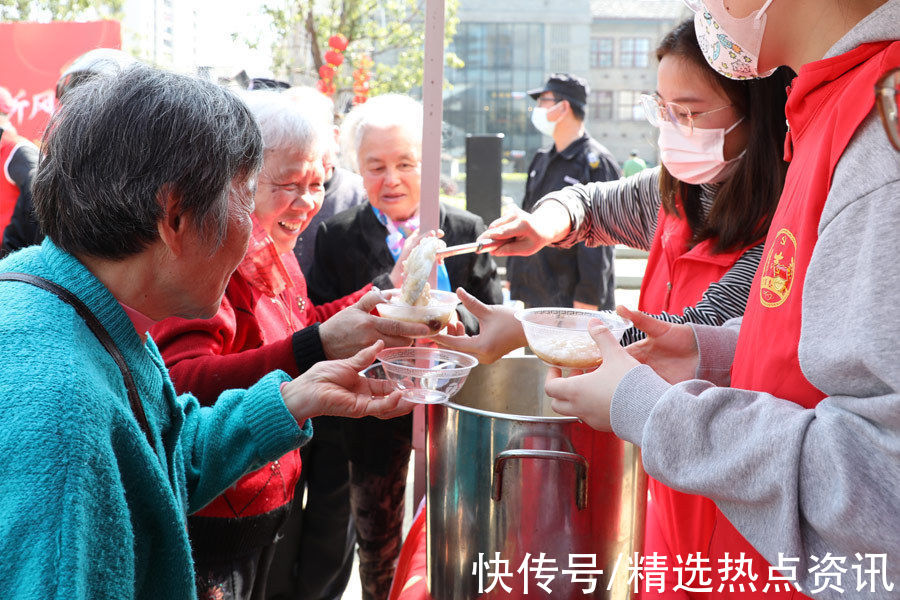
(232, 556)
(314, 557)
(377, 488)
(236, 578)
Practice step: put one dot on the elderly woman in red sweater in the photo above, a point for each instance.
(266, 322)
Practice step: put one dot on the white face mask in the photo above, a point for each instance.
(698, 158)
(539, 120)
(730, 45)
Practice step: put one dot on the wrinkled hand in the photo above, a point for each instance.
(669, 349)
(335, 387)
(589, 396)
(499, 331)
(409, 243)
(526, 233)
(354, 328)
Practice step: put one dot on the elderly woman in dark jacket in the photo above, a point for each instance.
(360, 246)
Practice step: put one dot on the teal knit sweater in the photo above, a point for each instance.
(87, 509)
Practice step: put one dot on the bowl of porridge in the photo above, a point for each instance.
(560, 338)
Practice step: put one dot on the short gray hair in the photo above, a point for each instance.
(317, 105)
(285, 124)
(115, 145)
(389, 110)
(347, 138)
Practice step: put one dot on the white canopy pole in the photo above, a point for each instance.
(433, 103)
(429, 217)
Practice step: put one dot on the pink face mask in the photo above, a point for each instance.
(697, 158)
(730, 45)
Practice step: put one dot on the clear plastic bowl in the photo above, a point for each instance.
(436, 315)
(425, 375)
(560, 338)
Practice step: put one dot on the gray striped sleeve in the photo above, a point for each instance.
(605, 213)
(723, 299)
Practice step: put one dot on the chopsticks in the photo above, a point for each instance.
(476, 247)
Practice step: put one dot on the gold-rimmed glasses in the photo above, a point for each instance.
(887, 91)
(658, 111)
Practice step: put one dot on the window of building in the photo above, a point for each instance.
(559, 34)
(601, 53)
(503, 61)
(601, 105)
(634, 52)
(629, 108)
(559, 60)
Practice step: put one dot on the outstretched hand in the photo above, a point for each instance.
(355, 328)
(525, 233)
(499, 331)
(335, 387)
(589, 396)
(669, 349)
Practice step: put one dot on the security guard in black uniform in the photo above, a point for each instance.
(579, 276)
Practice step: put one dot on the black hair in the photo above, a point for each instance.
(746, 200)
(116, 144)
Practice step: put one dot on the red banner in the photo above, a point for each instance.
(32, 57)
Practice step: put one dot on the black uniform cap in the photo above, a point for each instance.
(568, 87)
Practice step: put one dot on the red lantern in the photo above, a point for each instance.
(338, 42)
(322, 86)
(326, 72)
(360, 99)
(333, 57)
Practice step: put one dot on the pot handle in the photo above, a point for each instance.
(580, 462)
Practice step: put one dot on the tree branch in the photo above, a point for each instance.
(313, 38)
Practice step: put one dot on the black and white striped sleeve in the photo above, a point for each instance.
(604, 213)
(723, 299)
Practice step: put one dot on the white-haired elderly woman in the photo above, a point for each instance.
(266, 322)
(343, 187)
(145, 193)
(356, 247)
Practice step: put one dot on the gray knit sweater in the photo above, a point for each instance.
(794, 481)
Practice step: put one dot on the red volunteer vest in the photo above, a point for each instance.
(676, 278)
(9, 191)
(677, 275)
(828, 102)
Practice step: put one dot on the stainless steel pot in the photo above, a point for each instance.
(508, 475)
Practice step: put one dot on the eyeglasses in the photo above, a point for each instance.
(658, 111)
(551, 99)
(887, 90)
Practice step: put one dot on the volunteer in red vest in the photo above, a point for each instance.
(703, 215)
(266, 322)
(800, 453)
(18, 159)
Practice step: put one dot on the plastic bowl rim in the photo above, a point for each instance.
(439, 293)
(454, 371)
(520, 316)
